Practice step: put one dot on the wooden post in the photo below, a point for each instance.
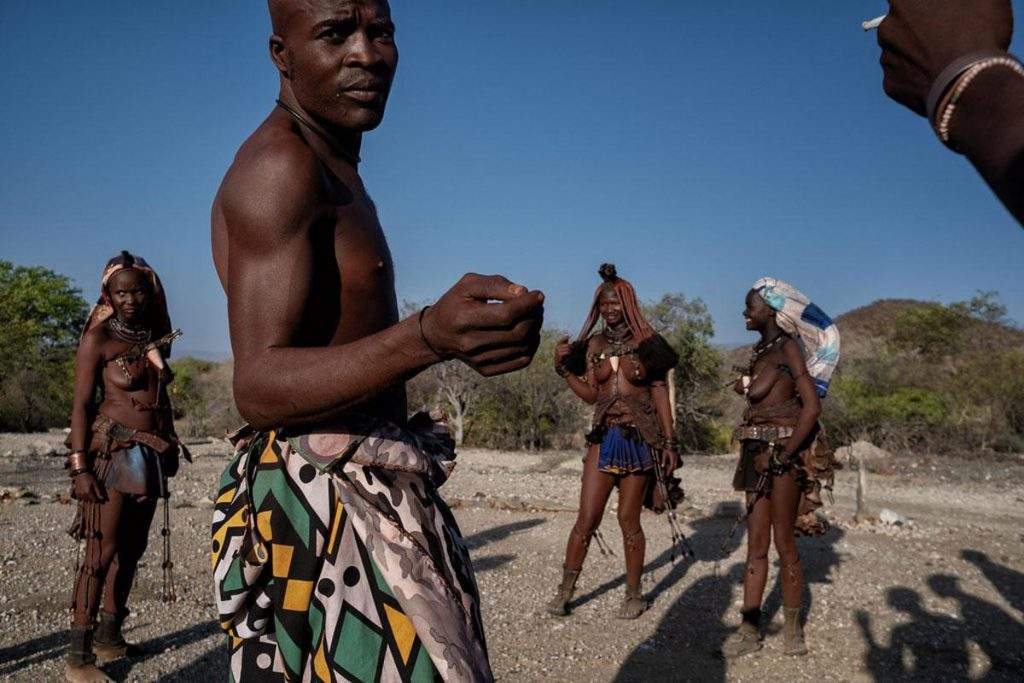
(861, 513)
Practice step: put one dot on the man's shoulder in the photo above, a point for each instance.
(274, 170)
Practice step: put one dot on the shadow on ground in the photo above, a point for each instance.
(54, 646)
(687, 643)
(493, 535)
(936, 646)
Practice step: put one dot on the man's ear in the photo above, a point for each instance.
(280, 55)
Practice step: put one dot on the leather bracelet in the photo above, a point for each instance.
(952, 72)
(424, 336)
(948, 104)
(75, 473)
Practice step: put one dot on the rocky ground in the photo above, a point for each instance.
(937, 593)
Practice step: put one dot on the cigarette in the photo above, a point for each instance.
(872, 24)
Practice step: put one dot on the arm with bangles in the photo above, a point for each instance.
(585, 387)
(88, 360)
(663, 405)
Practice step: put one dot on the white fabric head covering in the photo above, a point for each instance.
(804, 321)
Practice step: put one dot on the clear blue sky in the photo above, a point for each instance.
(698, 145)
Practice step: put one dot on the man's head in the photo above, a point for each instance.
(337, 57)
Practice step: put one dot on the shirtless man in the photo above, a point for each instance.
(321, 357)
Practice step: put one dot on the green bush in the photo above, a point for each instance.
(855, 410)
(41, 318)
(931, 329)
(202, 398)
(687, 325)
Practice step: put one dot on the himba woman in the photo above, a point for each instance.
(784, 459)
(621, 370)
(123, 449)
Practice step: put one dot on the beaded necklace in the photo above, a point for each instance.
(137, 336)
(125, 332)
(761, 349)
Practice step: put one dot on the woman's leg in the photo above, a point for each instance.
(759, 538)
(133, 535)
(594, 492)
(784, 501)
(100, 524)
(593, 496)
(631, 500)
(759, 535)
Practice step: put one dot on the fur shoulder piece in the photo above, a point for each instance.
(576, 361)
(657, 356)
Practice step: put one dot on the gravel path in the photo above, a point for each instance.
(941, 597)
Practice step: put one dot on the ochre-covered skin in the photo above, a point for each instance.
(620, 398)
(133, 391)
(130, 294)
(775, 512)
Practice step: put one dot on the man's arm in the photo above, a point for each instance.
(919, 38)
(270, 264)
(989, 128)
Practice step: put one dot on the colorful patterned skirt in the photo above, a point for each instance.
(335, 560)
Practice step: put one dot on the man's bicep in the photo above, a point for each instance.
(269, 273)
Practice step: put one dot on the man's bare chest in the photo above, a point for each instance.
(354, 282)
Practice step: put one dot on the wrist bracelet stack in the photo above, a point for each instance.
(953, 81)
(668, 443)
(77, 463)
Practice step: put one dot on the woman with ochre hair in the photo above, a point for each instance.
(622, 371)
(123, 449)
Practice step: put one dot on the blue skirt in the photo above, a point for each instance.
(622, 455)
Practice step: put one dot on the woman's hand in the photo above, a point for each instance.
(669, 460)
(561, 351)
(86, 489)
(761, 461)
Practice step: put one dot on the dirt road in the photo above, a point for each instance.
(941, 597)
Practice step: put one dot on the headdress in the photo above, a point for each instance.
(808, 324)
(653, 351)
(631, 309)
(159, 321)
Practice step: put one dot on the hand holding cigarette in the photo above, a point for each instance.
(919, 38)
